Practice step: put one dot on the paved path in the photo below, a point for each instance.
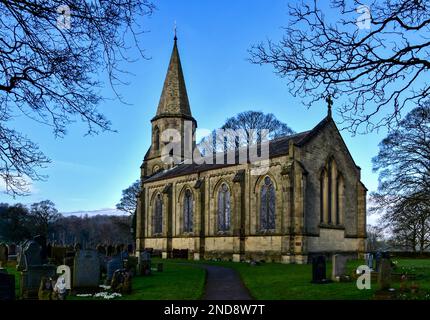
(224, 284)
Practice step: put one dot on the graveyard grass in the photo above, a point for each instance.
(176, 282)
(275, 281)
(268, 281)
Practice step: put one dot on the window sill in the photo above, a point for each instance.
(332, 226)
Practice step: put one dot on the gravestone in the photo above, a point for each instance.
(338, 267)
(378, 257)
(369, 260)
(12, 249)
(7, 286)
(109, 250)
(384, 274)
(86, 269)
(121, 281)
(41, 240)
(101, 249)
(159, 267)
(58, 254)
(30, 255)
(114, 264)
(319, 270)
(4, 254)
(64, 271)
(131, 264)
(31, 278)
(144, 263)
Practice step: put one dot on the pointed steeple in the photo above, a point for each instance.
(174, 98)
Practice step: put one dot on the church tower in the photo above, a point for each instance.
(173, 112)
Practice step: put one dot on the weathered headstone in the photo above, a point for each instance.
(114, 264)
(121, 281)
(110, 250)
(131, 264)
(338, 267)
(319, 270)
(41, 240)
(31, 278)
(46, 289)
(4, 254)
(369, 260)
(30, 256)
(159, 267)
(12, 249)
(384, 274)
(144, 263)
(64, 271)
(86, 270)
(58, 254)
(101, 249)
(378, 257)
(7, 286)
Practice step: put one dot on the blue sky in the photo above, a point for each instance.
(88, 173)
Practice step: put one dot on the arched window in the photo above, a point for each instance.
(331, 194)
(224, 208)
(267, 205)
(188, 211)
(158, 214)
(156, 138)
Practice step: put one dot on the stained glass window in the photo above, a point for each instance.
(224, 208)
(158, 214)
(268, 203)
(188, 211)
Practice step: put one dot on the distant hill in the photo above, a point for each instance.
(92, 213)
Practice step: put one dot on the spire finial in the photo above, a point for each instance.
(175, 30)
(329, 101)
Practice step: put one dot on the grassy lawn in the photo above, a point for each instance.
(274, 281)
(268, 281)
(176, 282)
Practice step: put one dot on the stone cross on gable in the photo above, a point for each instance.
(329, 101)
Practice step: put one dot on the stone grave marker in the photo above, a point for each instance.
(144, 263)
(384, 274)
(64, 271)
(7, 286)
(369, 260)
(86, 269)
(12, 249)
(338, 267)
(4, 254)
(114, 264)
(319, 270)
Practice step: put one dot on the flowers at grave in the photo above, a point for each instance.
(107, 295)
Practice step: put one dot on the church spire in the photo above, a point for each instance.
(174, 98)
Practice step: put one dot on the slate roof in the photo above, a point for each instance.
(277, 147)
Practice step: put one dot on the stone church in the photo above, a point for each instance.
(310, 200)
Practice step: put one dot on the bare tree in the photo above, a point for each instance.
(52, 53)
(375, 237)
(328, 50)
(43, 214)
(403, 196)
(128, 202)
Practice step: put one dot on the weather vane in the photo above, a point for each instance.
(175, 30)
